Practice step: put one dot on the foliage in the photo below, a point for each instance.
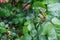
(29, 20)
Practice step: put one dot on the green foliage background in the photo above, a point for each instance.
(39, 22)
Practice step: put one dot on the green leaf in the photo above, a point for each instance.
(38, 4)
(25, 30)
(2, 24)
(2, 30)
(55, 21)
(29, 27)
(54, 9)
(33, 33)
(50, 1)
(5, 12)
(26, 37)
(6, 26)
(49, 30)
(27, 22)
